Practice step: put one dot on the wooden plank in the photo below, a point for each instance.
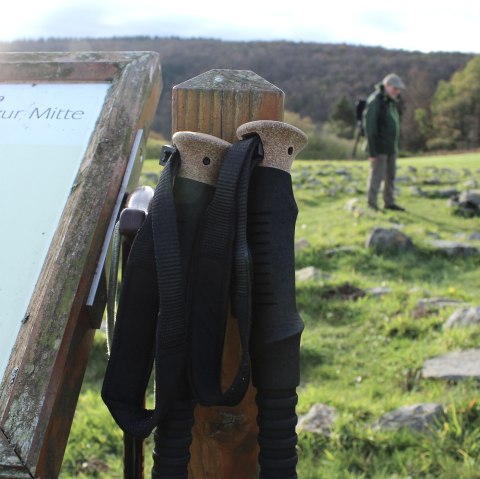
(217, 102)
(40, 388)
(11, 467)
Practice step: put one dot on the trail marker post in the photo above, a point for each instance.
(217, 102)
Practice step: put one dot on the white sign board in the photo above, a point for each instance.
(44, 132)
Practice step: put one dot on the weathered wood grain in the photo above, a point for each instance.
(217, 103)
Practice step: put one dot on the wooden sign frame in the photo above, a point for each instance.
(40, 387)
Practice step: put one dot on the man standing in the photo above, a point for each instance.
(382, 126)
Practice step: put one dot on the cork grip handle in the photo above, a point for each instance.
(281, 142)
(202, 155)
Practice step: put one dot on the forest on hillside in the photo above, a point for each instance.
(314, 76)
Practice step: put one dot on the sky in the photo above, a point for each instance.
(422, 25)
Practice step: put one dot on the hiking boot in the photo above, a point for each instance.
(373, 207)
(395, 207)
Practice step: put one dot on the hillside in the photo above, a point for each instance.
(314, 76)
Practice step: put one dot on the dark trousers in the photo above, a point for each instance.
(382, 167)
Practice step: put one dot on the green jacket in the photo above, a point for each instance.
(382, 123)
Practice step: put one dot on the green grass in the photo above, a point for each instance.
(362, 357)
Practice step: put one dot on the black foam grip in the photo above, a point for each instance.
(173, 438)
(277, 437)
(276, 325)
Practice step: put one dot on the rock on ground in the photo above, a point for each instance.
(378, 290)
(453, 366)
(463, 317)
(301, 244)
(389, 240)
(310, 273)
(319, 419)
(471, 196)
(454, 248)
(417, 417)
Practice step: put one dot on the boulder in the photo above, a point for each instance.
(417, 417)
(454, 248)
(470, 196)
(453, 366)
(378, 291)
(352, 204)
(463, 317)
(319, 419)
(416, 191)
(386, 240)
(437, 303)
(301, 244)
(310, 273)
(443, 193)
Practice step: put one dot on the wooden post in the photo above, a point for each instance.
(217, 103)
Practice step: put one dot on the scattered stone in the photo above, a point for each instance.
(352, 204)
(470, 196)
(463, 317)
(427, 306)
(310, 273)
(470, 184)
(432, 181)
(342, 172)
(301, 244)
(383, 240)
(332, 191)
(437, 303)
(403, 179)
(378, 291)
(341, 250)
(417, 417)
(443, 193)
(453, 366)
(452, 202)
(475, 236)
(454, 248)
(467, 209)
(350, 190)
(343, 291)
(416, 191)
(412, 169)
(319, 419)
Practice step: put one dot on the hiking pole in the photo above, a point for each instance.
(276, 325)
(201, 157)
(357, 139)
(130, 221)
(359, 109)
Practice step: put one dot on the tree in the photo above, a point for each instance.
(455, 110)
(342, 120)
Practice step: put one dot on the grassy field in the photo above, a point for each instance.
(363, 357)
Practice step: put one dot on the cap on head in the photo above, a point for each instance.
(394, 80)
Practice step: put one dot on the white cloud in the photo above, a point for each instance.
(413, 24)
